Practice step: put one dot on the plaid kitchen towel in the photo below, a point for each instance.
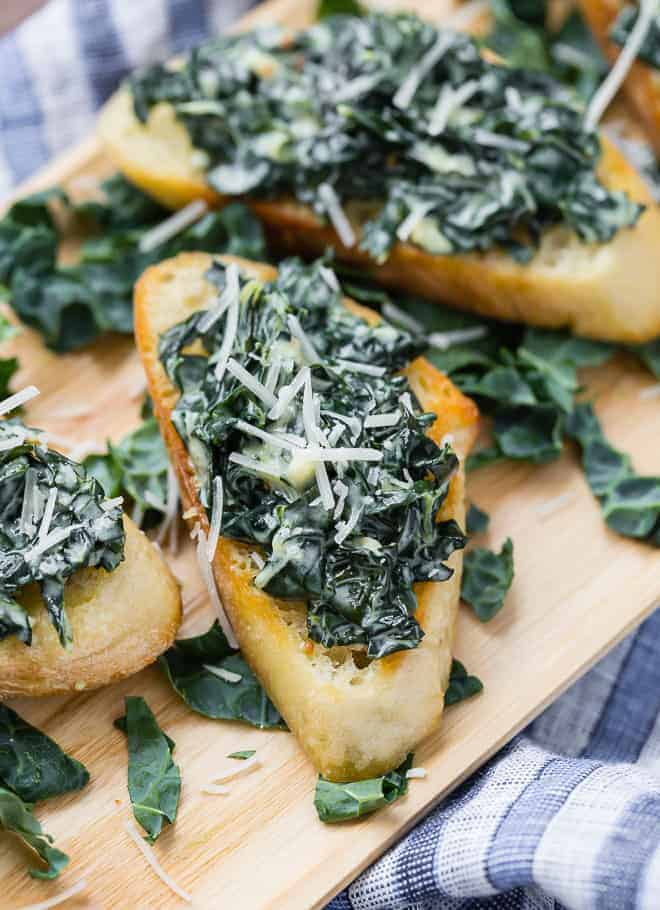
(566, 816)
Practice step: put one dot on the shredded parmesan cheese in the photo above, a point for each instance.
(406, 91)
(50, 540)
(342, 492)
(344, 528)
(259, 467)
(209, 581)
(273, 375)
(231, 290)
(330, 278)
(257, 560)
(323, 483)
(237, 769)
(250, 382)
(216, 518)
(280, 441)
(444, 340)
(343, 454)
(27, 510)
(221, 673)
(189, 513)
(173, 225)
(410, 222)
(306, 346)
(150, 857)
(416, 773)
(390, 419)
(449, 101)
(58, 898)
(609, 87)
(214, 790)
(396, 314)
(288, 392)
(336, 214)
(369, 369)
(15, 401)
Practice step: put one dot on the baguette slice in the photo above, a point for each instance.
(353, 721)
(642, 85)
(121, 621)
(608, 291)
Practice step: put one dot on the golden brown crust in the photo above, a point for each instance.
(353, 722)
(604, 291)
(642, 85)
(121, 621)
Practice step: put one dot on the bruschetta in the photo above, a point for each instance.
(356, 717)
(602, 283)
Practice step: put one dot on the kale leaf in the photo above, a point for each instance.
(354, 560)
(630, 503)
(623, 26)
(649, 354)
(520, 35)
(17, 818)
(32, 764)
(477, 520)
(328, 8)
(135, 468)
(444, 149)
(154, 781)
(487, 577)
(244, 755)
(461, 684)
(54, 520)
(343, 802)
(71, 304)
(192, 666)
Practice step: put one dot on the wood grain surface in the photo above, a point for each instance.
(578, 590)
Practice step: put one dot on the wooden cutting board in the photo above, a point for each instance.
(578, 590)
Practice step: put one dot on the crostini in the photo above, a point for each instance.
(85, 598)
(356, 715)
(496, 197)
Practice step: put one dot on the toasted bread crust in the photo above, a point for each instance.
(121, 621)
(606, 291)
(353, 722)
(642, 85)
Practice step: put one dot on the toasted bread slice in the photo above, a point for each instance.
(607, 291)
(353, 720)
(121, 621)
(642, 85)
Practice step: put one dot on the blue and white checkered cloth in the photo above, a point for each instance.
(569, 814)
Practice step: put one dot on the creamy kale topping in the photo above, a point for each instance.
(438, 146)
(54, 520)
(309, 443)
(623, 26)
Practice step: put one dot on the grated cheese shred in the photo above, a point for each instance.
(337, 215)
(216, 518)
(173, 225)
(150, 857)
(221, 673)
(58, 899)
(209, 581)
(20, 398)
(232, 290)
(251, 382)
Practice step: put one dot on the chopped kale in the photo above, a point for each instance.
(461, 684)
(352, 543)
(70, 305)
(244, 755)
(623, 26)
(630, 503)
(343, 802)
(54, 520)
(487, 577)
(477, 520)
(135, 468)
(17, 818)
(649, 354)
(154, 781)
(437, 145)
(192, 666)
(328, 8)
(32, 764)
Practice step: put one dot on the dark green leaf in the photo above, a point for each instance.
(246, 753)
(339, 8)
(461, 684)
(649, 354)
(487, 577)
(154, 781)
(17, 818)
(185, 666)
(630, 503)
(342, 802)
(32, 764)
(534, 434)
(477, 521)
(71, 305)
